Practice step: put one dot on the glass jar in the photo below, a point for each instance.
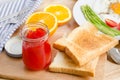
(36, 51)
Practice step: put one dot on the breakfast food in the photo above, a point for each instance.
(62, 13)
(111, 23)
(36, 50)
(82, 47)
(62, 63)
(108, 9)
(115, 7)
(86, 43)
(92, 17)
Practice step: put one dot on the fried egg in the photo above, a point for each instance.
(108, 9)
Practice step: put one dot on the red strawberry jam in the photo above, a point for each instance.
(36, 49)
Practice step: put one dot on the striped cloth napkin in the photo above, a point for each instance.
(14, 11)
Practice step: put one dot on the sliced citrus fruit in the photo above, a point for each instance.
(62, 13)
(45, 17)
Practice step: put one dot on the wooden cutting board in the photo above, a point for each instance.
(112, 70)
(12, 68)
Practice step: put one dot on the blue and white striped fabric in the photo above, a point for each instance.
(14, 9)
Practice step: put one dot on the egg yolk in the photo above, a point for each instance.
(115, 7)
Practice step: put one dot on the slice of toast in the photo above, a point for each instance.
(85, 43)
(62, 63)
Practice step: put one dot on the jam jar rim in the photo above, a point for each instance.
(43, 38)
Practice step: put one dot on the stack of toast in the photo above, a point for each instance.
(79, 52)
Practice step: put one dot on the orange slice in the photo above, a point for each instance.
(62, 13)
(45, 17)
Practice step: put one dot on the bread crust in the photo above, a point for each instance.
(63, 64)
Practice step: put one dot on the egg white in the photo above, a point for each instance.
(101, 7)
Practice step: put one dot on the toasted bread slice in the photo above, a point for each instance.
(85, 43)
(62, 63)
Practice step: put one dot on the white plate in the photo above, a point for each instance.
(97, 7)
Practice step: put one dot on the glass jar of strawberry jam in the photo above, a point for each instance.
(36, 51)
